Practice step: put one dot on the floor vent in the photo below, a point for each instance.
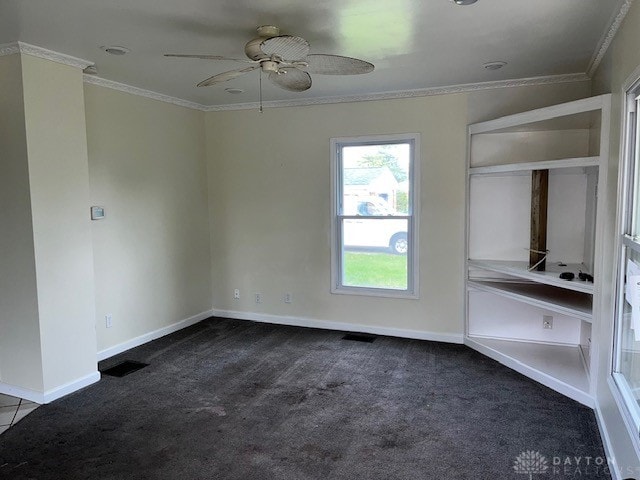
(359, 337)
(124, 368)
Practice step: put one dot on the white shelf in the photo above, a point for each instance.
(566, 302)
(551, 276)
(540, 115)
(560, 367)
(542, 165)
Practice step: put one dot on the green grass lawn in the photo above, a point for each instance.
(378, 270)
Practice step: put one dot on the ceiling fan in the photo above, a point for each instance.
(286, 60)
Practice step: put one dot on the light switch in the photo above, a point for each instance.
(97, 213)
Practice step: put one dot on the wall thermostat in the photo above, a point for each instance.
(97, 213)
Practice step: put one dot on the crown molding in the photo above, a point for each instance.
(423, 92)
(34, 51)
(9, 49)
(122, 87)
(608, 36)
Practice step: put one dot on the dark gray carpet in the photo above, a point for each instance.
(228, 399)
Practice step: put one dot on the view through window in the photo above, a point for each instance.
(374, 215)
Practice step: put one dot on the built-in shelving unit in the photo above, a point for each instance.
(551, 275)
(534, 321)
(566, 302)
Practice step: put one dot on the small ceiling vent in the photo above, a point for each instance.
(115, 49)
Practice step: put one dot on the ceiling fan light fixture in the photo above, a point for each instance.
(494, 65)
(115, 49)
(464, 2)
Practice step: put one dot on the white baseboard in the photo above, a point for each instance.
(147, 337)
(606, 441)
(50, 395)
(67, 388)
(341, 326)
(19, 392)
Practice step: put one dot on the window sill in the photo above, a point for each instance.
(376, 292)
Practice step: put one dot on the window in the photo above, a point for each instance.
(375, 212)
(626, 367)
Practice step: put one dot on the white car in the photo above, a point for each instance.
(387, 232)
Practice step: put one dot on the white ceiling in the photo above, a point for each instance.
(414, 44)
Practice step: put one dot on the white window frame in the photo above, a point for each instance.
(412, 217)
(628, 170)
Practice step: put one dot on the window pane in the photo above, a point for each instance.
(629, 337)
(375, 179)
(374, 253)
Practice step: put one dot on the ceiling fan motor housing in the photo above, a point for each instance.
(270, 66)
(267, 31)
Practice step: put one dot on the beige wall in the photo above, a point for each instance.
(151, 252)
(46, 266)
(20, 356)
(269, 192)
(58, 175)
(620, 62)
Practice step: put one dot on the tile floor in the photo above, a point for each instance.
(12, 410)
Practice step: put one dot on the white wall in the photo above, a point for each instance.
(151, 252)
(20, 356)
(621, 60)
(269, 193)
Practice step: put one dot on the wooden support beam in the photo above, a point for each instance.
(539, 198)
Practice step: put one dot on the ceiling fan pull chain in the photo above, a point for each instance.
(260, 81)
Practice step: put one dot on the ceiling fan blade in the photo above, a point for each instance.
(207, 57)
(223, 77)
(292, 79)
(336, 65)
(286, 47)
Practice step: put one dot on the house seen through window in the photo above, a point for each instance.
(374, 216)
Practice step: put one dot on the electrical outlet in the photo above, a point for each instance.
(547, 322)
(108, 321)
(258, 298)
(236, 293)
(288, 298)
